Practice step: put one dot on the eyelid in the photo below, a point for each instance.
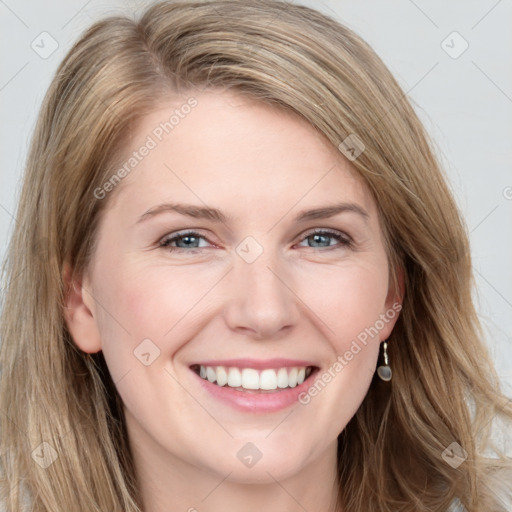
(329, 231)
(343, 238)
(170, 237)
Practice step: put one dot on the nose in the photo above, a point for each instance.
(262, 303)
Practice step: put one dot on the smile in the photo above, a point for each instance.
(254, 386)
(250, 379)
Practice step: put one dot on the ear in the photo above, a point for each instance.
(79, 313)
(393, 304)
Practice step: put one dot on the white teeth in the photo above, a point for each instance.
(222, 376)
(268, 379)
(234, 378)
(249, 378)
(292, 377)
(282, 378)
(210, 374)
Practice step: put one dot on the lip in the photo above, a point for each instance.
(256, 403)
(257, 364)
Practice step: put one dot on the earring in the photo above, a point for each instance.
(384, 371)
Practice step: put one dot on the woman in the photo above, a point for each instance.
(238, 280)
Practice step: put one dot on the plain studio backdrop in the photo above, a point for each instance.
(453, 60)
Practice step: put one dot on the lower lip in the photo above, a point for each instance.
(257, 402)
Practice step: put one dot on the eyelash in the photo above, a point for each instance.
(342, 238)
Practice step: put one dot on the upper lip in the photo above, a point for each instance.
(257, 364)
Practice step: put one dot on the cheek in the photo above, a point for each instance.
(347, 299)
(160, 301)
(148, 303)
(349, 304)
(166, 305)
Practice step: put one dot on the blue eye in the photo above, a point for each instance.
(190, 239)
(318, 239)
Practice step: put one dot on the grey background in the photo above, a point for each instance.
(465, 103)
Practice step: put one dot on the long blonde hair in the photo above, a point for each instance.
(444, 388)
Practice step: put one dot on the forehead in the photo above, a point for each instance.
(222, 147)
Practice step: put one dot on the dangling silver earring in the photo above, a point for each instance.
(384, 371)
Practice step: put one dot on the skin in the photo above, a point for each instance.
(299, 299)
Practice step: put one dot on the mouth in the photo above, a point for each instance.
(255, 381)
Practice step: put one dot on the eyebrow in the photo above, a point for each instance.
(215, 215)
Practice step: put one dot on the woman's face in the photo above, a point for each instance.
(252, 294)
